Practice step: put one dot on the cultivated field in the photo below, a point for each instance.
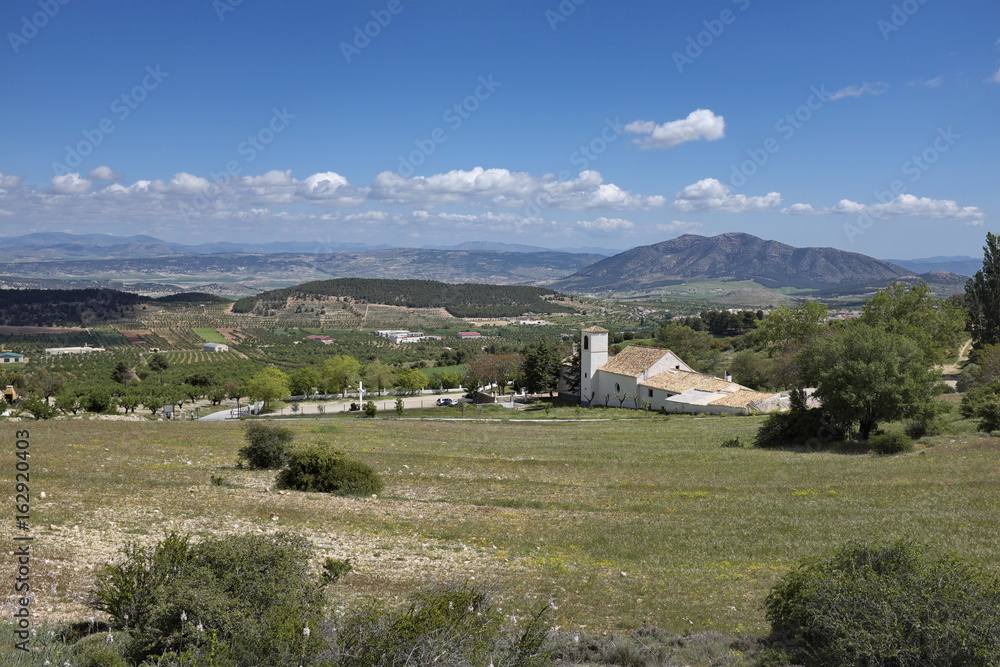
(620, 523)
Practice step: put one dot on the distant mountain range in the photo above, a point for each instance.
(240, 268)
(730, 257)
(62, 245)
(960, 264)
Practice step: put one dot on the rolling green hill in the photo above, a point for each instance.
(463, 300)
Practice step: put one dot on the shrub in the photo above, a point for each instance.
(970, 378)
(244, 599)
(334, 569)
(97, 650)
(267, 445)
(983, 403)
(888, 444)
(799, 427)
(39, 408)
(450, 625)
(895, 605)
(370, 409)
(919, 428)
(733, 443)
(320, 469)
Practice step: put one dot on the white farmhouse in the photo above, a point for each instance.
(215, 347)
(647, 376)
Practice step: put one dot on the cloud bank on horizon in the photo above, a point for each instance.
(869, 133)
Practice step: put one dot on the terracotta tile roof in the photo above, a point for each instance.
(633, 360)
(680, 381)
(741, 399)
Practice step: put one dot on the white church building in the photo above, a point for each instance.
(658, 379)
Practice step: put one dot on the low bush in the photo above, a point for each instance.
(450, 626)
(895, 605)
(267, 445)
(732, 443)
(239, 600)
(334, 569)
(100, 650)
(318, 468)
(888, 444)
(983, 404)
(798, 428)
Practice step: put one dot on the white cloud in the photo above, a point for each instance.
(69, 184)
(995, 78)
(711, 195)
(606, 225)
(501, 187)
(866, 88)
(182, 183)
(103, 173)
(699, 124)
(494, 201)
(680, 227)
(800, 209)
(903, 206)
(929, 83)
(9, 180)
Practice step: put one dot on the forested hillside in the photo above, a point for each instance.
(464, 300)
(42, 307)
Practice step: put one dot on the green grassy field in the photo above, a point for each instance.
(210, 335)
(620, 523)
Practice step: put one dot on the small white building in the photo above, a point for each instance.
(215, 347)
(658, 379)
(12, 358)
(86, 349)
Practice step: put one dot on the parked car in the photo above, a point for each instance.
(445, 401)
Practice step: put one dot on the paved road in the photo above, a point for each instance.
(312, 409)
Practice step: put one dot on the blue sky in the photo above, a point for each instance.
(863, 125)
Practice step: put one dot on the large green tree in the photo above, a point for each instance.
(541, 367)
(340, 373)
(982, 296)
(492, 369)
(268, 385)
(697, 349)
(157, 363)
(379, 376)
(304, 380)
(48, 384)
(936, 325)
(791, 328)
(865, 376)
(411, 380)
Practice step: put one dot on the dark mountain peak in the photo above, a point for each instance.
(731, 256)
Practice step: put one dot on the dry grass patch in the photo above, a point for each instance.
(620, 523)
